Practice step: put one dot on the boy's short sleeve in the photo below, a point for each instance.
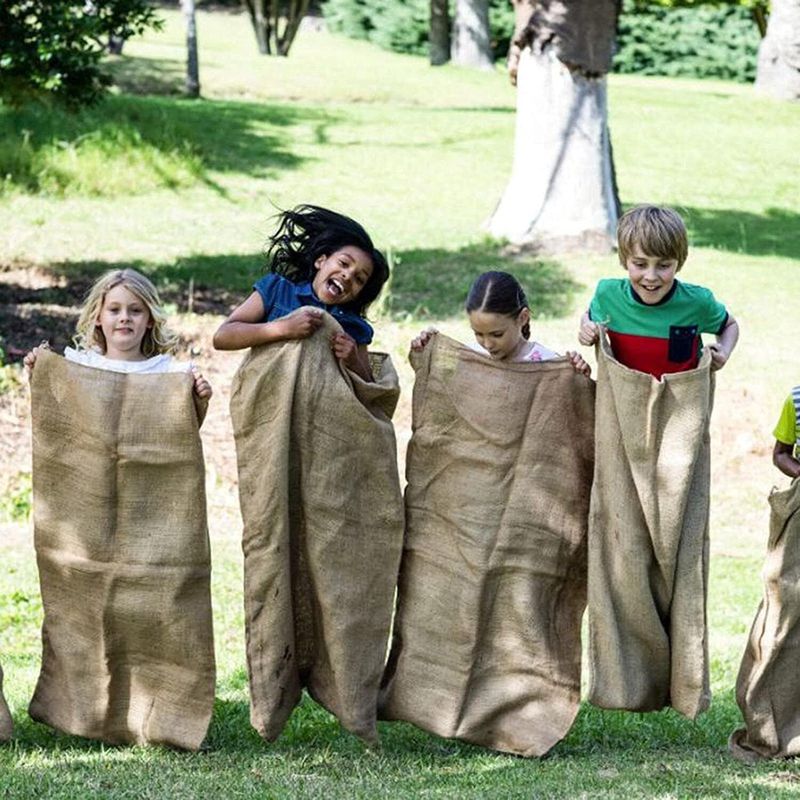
(715, 316)
(597, 310)
(786, 429)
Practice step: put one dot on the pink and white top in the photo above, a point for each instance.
(537, 352)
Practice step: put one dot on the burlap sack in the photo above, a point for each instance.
(648, 538)
(767, 689)
(323, 528)
(122, 548)
(6, 723)
(487, 642)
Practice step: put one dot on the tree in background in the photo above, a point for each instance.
(275, 23)
(471, 41)
(439, 33)
(53, 48)
(778, 72)
(192, 65)
(562, 191)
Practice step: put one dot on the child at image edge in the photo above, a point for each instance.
(317, 260)
(122, 328)
(787, 436)
(500, 318)
(653, 320)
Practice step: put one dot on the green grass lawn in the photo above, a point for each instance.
(184, 190)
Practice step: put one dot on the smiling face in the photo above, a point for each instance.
(500, 334)
(652, 277)
(341, 275)
(124, 320)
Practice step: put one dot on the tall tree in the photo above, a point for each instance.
(192, 66)
(778, 71)
(562, 191)
(471, 42)
(275, 23)
(439, 33)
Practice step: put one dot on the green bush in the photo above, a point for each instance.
(52, 49)
(402, 25)
(701, 42)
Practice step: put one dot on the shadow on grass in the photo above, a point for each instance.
(776, 232)
(434, 283)
(429, 284)
(614, 754)
(158, 140)
(135, 75)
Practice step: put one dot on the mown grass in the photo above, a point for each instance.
(183, 190)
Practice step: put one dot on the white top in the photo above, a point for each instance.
(538, 352)
(160, 363)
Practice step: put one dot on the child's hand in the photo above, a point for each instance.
(719, 356)
(589, 333)
(345, 348)
(202, 388)
(300, 324)
(30, 359)
(418, 342)
(578, 364)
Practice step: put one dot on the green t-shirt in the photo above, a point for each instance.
(787, 431)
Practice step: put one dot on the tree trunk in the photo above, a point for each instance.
(778, 71)
(192, 68)
(115, 44)
(260, 22)
(439, 33)
(562, 195)
(471, 45)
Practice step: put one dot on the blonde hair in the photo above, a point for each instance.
(656, 230)
(157, 338)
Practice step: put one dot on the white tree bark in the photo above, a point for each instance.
(561, 192)
(778, 71)
(470, 45)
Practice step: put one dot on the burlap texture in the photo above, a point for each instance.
(767, 689)
(492, 587)
(6, 723)
(122, 548)
(648, 538)
(323, 528)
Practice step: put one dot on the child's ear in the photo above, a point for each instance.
(320, 261)
(524, 316)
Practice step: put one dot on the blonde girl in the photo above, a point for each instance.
(122, 328)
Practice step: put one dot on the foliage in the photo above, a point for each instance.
(53, 48)
(402, 25)
(702, 42)
(16, 503)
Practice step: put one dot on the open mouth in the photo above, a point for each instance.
(335, 287)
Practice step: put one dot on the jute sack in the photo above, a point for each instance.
(648, 538)
(122, 548)
(767, 689)
(6, 723)
(323, 528)
(487, 637)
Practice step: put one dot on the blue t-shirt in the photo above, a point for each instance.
(280, 297)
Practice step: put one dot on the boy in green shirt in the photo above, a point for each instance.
(787, 436)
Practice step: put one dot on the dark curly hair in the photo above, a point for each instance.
(307, 232)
